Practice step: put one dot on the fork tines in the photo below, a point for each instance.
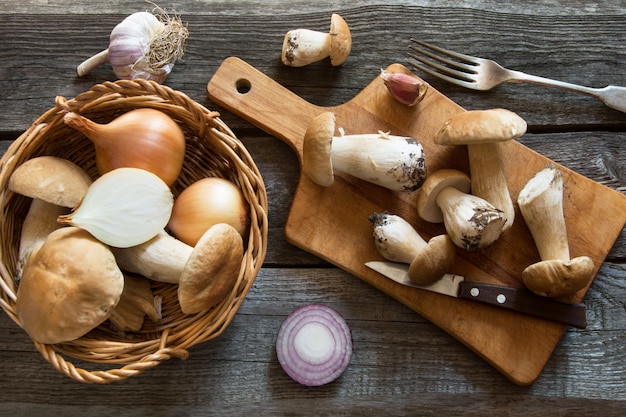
(460, 71)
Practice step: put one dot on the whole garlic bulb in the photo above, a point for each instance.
(142, 46)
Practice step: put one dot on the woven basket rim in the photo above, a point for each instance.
(212, 150)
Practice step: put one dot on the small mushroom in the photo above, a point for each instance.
(483, 131)
(541, 205)
(69, 286)
(136, 302)
(393, 162)
(471, 222)
(303, 46)
(397, 241)
(55, 185)
(205, 273)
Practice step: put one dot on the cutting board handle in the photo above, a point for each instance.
(262, 101)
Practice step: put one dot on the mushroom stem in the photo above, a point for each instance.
(488, 180)
(303, 47)
(395, 238)
(162, 258)
(541, 205)
(471, 222)
(40, 221)
(393, 162)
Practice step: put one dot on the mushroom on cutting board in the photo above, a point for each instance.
(304, 46)
(55, 185)
(471, 222)
(397, 241)
(69, 286)
(483, 131)
(393, 162)
(205, 273)
(541, 205)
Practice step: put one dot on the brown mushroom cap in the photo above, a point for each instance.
(212, 269)
(433, 261)
(340, 40)
(69, 286)
(316, 149)
(427, 206)
(481, 126)
(51, 179)
(558, 278)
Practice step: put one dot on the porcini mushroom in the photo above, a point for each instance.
(69, 286)
(471, 222)
(393, 162)
(55, 185)
(304, 46)
(397, 241)
(205, 273)
(541, 205)
(136, 302)
(483, 131)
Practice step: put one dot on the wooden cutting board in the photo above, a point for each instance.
(333, 224)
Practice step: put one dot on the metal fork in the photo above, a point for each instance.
(484, 74)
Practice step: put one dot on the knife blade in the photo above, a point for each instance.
(516, 299)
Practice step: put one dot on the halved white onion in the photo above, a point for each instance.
(124, 207)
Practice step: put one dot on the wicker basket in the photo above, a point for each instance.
(212, 150)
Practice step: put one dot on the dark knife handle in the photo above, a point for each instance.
(526, 302)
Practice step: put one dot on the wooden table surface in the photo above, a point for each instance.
(402, 364)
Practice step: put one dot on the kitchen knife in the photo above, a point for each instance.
(520, 300)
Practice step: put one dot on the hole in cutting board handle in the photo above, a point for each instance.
(243, 86)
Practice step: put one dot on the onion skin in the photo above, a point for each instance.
(314, 345)
(142, 138)
(205, 203)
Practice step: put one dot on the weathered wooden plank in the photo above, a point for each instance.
(397, 353)
(589, 51)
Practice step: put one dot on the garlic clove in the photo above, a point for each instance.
(406, 88)
(124, 207)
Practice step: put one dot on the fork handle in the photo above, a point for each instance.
(612, 96)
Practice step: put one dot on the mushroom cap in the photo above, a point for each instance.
(316, 149)
(340, 40)
(52, 179)
(558, 278)
(427, 206)
(481, 126)
(69, 286)
(212, 269)
(433, 261)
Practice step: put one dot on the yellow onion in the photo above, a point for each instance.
(142, 138)
(207, 202)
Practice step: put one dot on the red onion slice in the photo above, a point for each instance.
(314, 345)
